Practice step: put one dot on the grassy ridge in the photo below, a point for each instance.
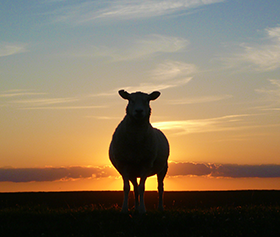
(192, 199)
(245, 213)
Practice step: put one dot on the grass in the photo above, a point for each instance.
(81, 218)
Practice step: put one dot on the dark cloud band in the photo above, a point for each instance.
(224, 170)
(247, 171)
(175, 169)
(53, 174)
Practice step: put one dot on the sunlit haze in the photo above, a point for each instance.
(215, 62)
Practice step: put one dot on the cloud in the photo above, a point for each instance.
(175, 169)
(188, 168)
(18, 92)
(202, 99)
(223, 170)
(44, 101)
(103, 117)
(54, 1)
(54, 174)
(173, 69)
(224, 123)
(260, 57)
(180, 78)
(39, 103)
(141, 48)
(90, 11)
(161, 43)
(65, 107)
(271, 95)
(7, 49)
(147, 87)
(246, 171)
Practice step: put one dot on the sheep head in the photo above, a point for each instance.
(138, 106)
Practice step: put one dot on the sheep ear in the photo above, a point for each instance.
(125, 95)
(154, 95)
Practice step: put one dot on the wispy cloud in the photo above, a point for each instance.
(49, 174)
(161, 81)
(157, 44)
(65, 107)
(90, 11)
(18, 92)
(28, 100)
(202, 99)
(7, 49)
(260, 57)
(147, 87)
(103, 117)
(141, 48)
(44, 101)
(225, 123)
(271, 95)
(173, 69)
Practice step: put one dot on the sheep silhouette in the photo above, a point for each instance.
(138, 150)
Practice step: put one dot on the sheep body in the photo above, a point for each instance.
(138, 150)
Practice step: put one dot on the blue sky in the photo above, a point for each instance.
(216, 63)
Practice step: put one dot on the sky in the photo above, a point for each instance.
(215, 62)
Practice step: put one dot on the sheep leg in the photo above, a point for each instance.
(136, 193)
(141, 189)
(126, 189)
(160, 178)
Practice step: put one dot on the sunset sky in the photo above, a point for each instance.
(215, 62)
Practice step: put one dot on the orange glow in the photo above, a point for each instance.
(170, 184)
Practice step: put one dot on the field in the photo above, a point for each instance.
(213, 213)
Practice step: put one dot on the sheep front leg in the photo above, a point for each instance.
(160, 194)
(126, 189)
(136, 194)
(141, 187)
(160, 178)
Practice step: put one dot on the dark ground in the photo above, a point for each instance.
(213, 213)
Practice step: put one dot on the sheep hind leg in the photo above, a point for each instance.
(160, 178)
(136, 193)
(126, 189)
(141, 189)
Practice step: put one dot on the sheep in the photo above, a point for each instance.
(138, 150)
